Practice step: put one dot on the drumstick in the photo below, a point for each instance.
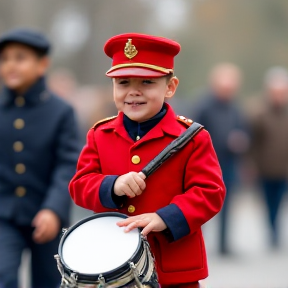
(171, 149)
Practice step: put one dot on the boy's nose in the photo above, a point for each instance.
(135, 92)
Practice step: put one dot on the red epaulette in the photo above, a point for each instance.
(184, 120)
(103, 121)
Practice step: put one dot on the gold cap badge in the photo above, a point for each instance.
(130, 50)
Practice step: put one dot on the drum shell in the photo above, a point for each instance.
(110, 275)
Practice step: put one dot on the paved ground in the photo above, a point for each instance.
(254, 264)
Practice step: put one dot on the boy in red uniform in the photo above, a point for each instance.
(183, 194)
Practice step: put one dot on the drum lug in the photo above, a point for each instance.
(102, 282)
(74, 277)
(64, 230)
(143, 237)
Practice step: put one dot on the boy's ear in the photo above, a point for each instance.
(172, 87)
(43, 65)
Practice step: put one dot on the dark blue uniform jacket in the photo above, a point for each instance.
(38, 153)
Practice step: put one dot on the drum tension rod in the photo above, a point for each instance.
(66, 281)
(136, 274)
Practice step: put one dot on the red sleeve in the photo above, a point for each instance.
(84, 186)
(203, 184)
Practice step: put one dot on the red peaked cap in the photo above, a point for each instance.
(140, 55)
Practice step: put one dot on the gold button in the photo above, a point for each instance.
(20, 191)
(135, 159)
(18, 146)
(131, 209)
(19, 101)
(189, 121)
(20, 168)
(19, 123)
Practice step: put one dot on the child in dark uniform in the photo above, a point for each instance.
(38, 155)
(184, 193)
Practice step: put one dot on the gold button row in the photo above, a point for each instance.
(135, 160)
(20, 168)
(20, 191)
(19, 124)
(18, 146)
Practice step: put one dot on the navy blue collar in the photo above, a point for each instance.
(138, 130)
(35, 94)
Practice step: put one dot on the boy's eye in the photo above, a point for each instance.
(147, 81)
(124, 81)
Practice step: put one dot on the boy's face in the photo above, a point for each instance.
(139, 98)
(20, 66)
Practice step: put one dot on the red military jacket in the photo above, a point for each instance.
(190, 179)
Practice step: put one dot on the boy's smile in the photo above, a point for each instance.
(135, 103)
(140, 98)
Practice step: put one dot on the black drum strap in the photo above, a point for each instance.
(172, 148)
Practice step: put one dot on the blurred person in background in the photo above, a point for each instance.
(91, 103)
(270, 144)
(38, 154)
(221, 116)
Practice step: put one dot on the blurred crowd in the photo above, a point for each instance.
(250, 137)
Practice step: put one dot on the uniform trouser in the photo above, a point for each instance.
(13, 239)
(229, 178)
(273, 193)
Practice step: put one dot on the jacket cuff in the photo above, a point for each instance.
(106, 193)
(175, 221)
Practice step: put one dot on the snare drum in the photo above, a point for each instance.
(96, 253)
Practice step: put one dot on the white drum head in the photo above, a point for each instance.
(99, 246)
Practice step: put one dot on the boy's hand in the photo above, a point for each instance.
(131, 184)
(47, 225)
(149, 221)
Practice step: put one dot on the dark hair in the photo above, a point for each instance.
(169, 76)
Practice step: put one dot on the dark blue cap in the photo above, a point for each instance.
(29, 37)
